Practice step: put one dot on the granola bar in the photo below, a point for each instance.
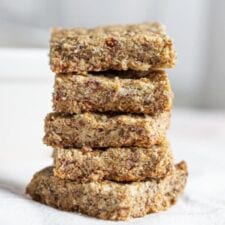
(107, 199)
(118, 164)
(113, 92)
(104, 130)
(137, 47)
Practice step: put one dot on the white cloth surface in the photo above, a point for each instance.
(198, 137)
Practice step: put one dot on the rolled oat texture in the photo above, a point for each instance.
(137, 47)
(108, 200)
(125, 92)
(104, 130)
(118, 164)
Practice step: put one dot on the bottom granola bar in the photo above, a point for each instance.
(107, 199)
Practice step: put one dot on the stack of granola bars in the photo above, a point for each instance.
(112, 103)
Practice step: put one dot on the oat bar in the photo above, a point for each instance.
(107, 199)
(137, 47)
(113, 92)
(104, 130)
(118, 164)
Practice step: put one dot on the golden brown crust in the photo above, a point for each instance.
(137, 47)
(104, 130)
(118, 164)
(148, 93)
(108, 200)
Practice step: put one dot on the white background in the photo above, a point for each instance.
(198, 121)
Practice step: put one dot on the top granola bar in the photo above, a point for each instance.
(138, 47)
